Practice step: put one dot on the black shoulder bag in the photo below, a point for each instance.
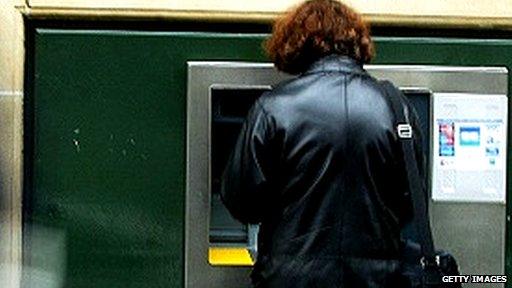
(421, 264)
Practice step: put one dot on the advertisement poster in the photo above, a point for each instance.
(469, 147)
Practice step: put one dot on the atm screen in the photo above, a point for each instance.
(229, 106)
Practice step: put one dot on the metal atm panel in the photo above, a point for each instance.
(205, 79)
(473, 231)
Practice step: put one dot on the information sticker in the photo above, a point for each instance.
(469, 147)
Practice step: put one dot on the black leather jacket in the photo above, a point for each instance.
(318, 165)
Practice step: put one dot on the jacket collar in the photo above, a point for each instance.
(335, 63)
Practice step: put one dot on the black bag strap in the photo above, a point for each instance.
(419, 200)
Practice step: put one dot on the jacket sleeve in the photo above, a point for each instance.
(247, 182)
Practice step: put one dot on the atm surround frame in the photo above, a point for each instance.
(201, 77)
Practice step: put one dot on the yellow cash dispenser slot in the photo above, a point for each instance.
(229, 256)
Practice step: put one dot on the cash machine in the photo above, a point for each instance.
(463, 117)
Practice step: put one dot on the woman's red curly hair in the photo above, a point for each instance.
(318, 28)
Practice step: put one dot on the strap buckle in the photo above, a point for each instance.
(436, 263)
(404, 131)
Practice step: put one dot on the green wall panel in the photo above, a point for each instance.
(109, 153)
(105, 203)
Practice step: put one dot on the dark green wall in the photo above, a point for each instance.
(105, 142)
(109, 152)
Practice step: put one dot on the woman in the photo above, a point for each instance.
(318, 164)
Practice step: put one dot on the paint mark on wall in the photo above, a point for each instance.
(77, 145)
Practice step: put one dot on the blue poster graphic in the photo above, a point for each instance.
(469, 136)
(447, 139)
